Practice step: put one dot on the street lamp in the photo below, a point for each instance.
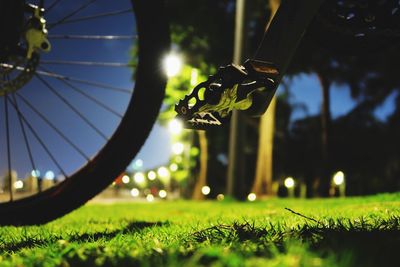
(139, 178)
(205, 190)
(162, 193)
(289, 184)
(135, 192)
(172, 64)
(173, 167)
(49, 175)
(18, 184)
(338, 180)
(125, 179)
(178, 148)
(35, 173)
(175, 126)
(150, 198)
(163, 172)
(164, 175)
(152, 175)
(252, 197)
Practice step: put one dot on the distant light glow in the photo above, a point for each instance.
(126, 179)
(338, 178)
(205, 190)
(49, 175)
(289, 182)
(178, 148)
(175, 126)
(173, 167)
(162, 193)
(138, 163)
(150, 198)
(139, 178)
(252, 197)
(220, 197)
(135, 192)
(172, 64)
(163, 172)
(19, 184)
(35, 173)
(152, 175)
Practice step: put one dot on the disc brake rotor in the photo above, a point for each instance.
(18, 67)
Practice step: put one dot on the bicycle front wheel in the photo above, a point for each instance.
(99, 169)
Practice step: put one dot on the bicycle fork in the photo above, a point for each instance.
(251, 86)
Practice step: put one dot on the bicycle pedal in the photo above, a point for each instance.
(203, 121)
(233, 87)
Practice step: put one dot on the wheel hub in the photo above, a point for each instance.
(20, 51)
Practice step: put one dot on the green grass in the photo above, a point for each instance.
(335, 232)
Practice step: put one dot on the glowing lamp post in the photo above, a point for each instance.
(252, 197)
(126, 179)
(152, 175)
(205, 190)
(175, 126)
(289, 184)
(162, 193)
(178, 148)
(140, 179)
(339, 181)
(135, 192)
(172, 64)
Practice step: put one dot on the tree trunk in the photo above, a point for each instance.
(262, 184)
(202, 178)
(263, 178)
(325, 178)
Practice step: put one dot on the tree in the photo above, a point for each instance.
(262, 184)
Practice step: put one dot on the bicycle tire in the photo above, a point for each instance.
(126, 141)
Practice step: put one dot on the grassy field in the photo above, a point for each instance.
(335, 232)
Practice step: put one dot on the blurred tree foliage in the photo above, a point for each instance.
(366, 149)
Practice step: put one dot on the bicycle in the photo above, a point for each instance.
(249, 88)
(23, 59)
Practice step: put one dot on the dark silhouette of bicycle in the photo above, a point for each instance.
(67, 105)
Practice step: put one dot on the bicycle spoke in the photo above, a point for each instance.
(73, 13)
(73, 108)
(10, 181)
(85, 63)
(91, 83)
(39, 139)
(73, 79)
(55, 3)
(101, 15)
(99, 103)
(92, 37)
(93, 99)
(27, 145)
(52, 126)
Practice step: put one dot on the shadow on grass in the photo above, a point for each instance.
(130, 228)
(350, 243)
(35, 241)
